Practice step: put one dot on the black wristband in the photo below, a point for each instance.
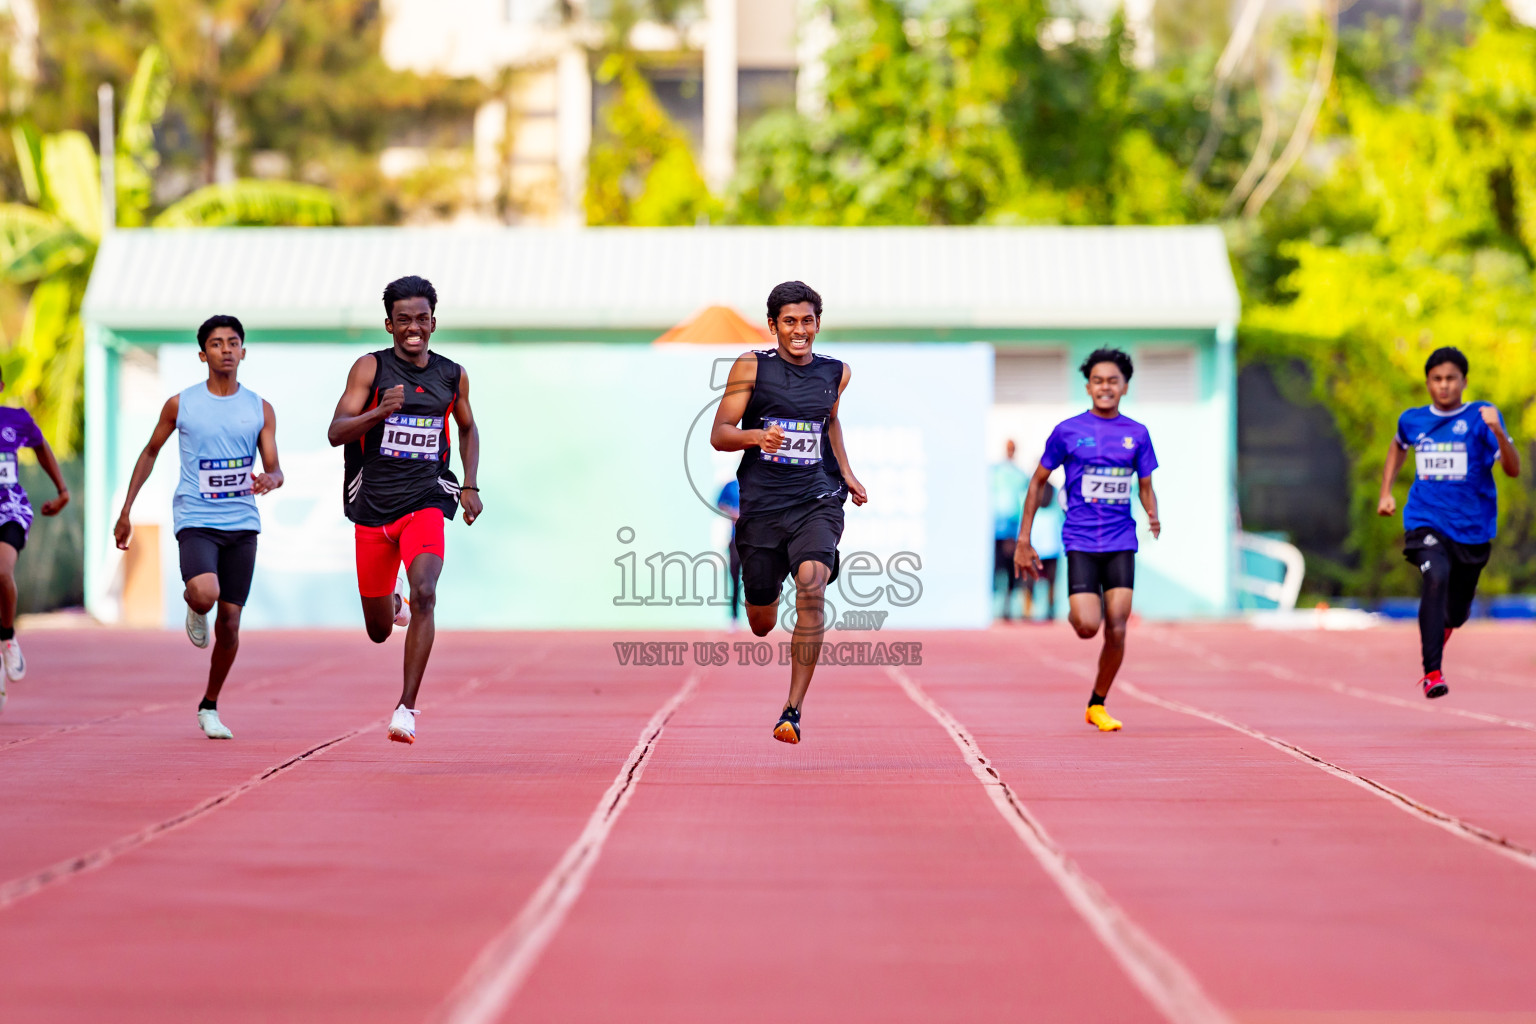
(475, 489)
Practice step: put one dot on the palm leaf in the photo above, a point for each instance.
(34, 244)
(252, 203)
(71, 177)
(137, 159)
(52, 347)
(29, 160)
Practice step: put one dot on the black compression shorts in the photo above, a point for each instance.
(774, 544)
(1093, 572)
(229, 553)
(14, 534)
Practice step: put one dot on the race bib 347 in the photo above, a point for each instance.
(412, 437)
(218, 479)
(802, 441)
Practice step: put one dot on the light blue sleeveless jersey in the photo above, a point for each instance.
(218, 459)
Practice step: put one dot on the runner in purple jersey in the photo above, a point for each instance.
(1108, 458)
(18, 431)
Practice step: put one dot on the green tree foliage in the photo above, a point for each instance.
(1419, 234)
(49, 243)
(641, 170)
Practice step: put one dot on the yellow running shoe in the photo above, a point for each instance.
(1101, 718)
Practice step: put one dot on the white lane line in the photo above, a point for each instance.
(1402, 801)
(1166, 982)
(1216, 661)
(492, 981)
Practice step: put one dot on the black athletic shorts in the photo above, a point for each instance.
(1415, 542)
(14, 534)
(773, 544)
(229, 553)
(1093, 572)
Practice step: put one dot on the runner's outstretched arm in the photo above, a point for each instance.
(1149, 502)
(350, 422)
(835, 437)
(266, 443)
(1386, 505)
(1026, 562)
(164, 428)
(1509, 455)
(50, 464)
(725, 435)
(469, 451)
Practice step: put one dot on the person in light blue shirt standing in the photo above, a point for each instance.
(1008, 485)
(1453, 505)
(222, 425)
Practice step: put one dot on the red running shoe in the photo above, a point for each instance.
(1434, 685)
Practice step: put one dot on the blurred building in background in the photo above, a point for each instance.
(712, 74)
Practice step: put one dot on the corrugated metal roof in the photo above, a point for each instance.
(657, 277)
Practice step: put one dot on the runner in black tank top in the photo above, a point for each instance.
(780, 412)
(396, 420)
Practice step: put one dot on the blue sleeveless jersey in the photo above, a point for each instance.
(218, 459)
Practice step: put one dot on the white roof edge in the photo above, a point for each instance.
(983, 277)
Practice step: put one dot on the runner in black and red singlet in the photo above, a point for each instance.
(394, 420)
(780, 412)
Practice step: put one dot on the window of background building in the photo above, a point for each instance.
(1022, 376)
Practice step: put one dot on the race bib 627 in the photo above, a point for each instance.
(802, 441)
(1441, 460)
(218, 479)
(1108, 484)
(412, 437)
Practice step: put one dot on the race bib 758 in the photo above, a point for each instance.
(1110, 485)
(802, 441)
(412, 437)
(218, 479)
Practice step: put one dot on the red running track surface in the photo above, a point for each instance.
(1284, 831)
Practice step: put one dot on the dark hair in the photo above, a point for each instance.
(1446, 354)
(1107, 355)
(213, 323)
(412, 287)
(789, 293)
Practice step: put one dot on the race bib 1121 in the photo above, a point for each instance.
(802, 442)
(218, 479)
(1111, 485)
(412, 437)
(1441, 460)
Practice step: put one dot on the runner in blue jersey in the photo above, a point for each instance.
(1453, 508)
(1108, 459)
(222, 425)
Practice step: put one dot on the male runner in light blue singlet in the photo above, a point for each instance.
(221, 425)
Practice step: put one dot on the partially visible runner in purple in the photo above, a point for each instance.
(18, 431)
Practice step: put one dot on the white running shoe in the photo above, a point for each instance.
(197, 627)
(403, 592)
(15, 661)
(402, 725)
(208, 721)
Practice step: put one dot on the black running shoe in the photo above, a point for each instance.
(788, 729)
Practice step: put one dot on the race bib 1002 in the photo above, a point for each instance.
(802, 441)
(412, 437)
(1110, 485)
(218, 479)
(1437, 460)
(8, 477)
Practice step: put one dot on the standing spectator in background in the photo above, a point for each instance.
(1045, 538)
(729, 503)
(1009, 483)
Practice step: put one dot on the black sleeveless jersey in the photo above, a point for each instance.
(401, 465)
(800, 399)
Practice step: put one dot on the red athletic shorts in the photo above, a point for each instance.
(381, 550)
